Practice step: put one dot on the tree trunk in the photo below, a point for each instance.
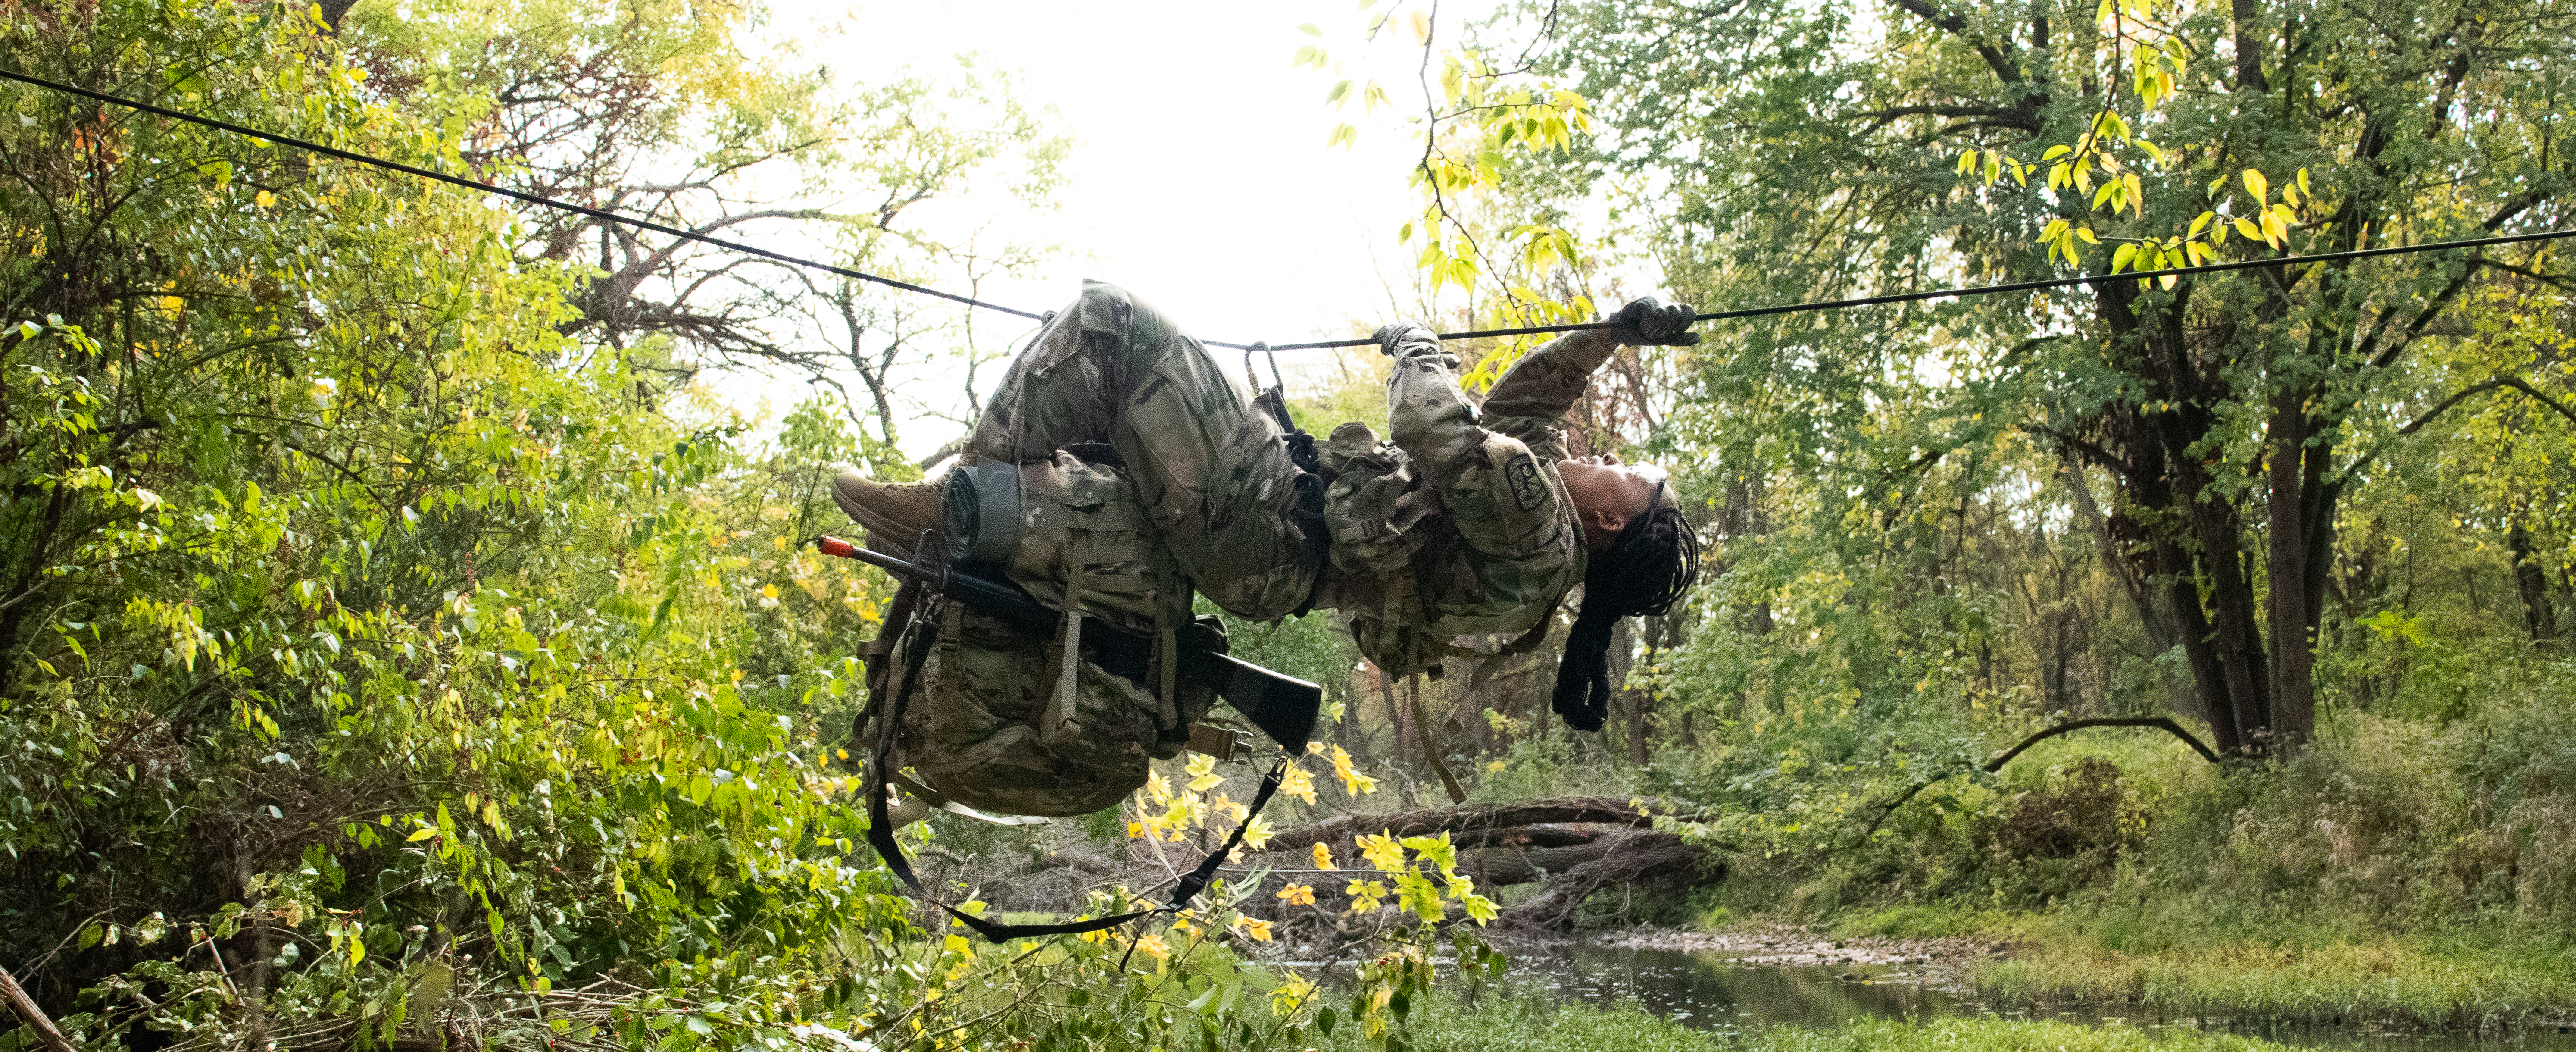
(2196, 538)
(2296, 564)
(2533, 585)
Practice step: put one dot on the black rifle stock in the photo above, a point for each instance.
(1284, 707)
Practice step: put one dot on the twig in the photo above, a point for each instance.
(35, 1017)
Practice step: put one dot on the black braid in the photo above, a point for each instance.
(1653, 561)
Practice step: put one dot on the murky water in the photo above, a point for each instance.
(1713, 992)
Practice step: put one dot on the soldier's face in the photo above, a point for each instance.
(1608, 494)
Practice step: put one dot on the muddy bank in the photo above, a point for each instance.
(1786, 946)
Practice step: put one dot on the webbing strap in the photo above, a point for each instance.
(881, 829)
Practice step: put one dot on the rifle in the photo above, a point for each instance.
(1284, 707)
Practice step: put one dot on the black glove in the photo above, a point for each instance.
(1647, 322)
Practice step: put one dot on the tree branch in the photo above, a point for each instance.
(35, 1017)
(2022, 119)
(2000, 759)
(1995, 59)
(2345, 476)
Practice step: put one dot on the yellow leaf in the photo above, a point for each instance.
(419, 835)
(1324, 857)
(2246, 227)
(1299, 894)
(1299, 784)
(1383, 852)
(2256, 185)
(1421, 27)
(265, 199)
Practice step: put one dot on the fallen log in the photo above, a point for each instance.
(1621, 858)
(1501, 866)
(1468, 824)
(1578, 845)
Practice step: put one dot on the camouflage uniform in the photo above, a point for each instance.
(1460, 526)
(1211, 470)
(1482, 540)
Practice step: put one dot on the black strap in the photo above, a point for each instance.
(881, 829)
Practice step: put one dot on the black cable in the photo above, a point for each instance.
(1530, 330)
(1982, 290)
(534, 199)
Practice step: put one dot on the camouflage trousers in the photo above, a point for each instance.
(1211, 470)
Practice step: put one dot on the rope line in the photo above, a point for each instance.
(535, 199)
(606, 216)
(1986, 290)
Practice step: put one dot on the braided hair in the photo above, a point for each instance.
(1648, 567)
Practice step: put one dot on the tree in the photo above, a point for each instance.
(657, 109)
(1818, 151)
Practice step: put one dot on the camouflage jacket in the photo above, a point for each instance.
(1460, 525)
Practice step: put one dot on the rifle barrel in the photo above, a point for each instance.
(838, 548)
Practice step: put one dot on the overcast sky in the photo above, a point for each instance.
(1199, 178)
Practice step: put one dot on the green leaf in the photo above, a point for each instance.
(1311, 29)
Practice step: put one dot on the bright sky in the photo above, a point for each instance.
(1199, 178)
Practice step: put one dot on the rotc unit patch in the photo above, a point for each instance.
(1522, 475)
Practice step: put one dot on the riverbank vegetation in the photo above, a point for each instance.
(1504, 1025)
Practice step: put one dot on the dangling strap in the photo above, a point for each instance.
(881, 830)
(1167, 644)
(1057, 725)
(1197, 881)
(1527, 642)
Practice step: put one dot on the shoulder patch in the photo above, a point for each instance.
(1522, 475)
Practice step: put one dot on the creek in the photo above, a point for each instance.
(1714, 991)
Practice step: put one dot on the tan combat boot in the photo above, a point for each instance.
(895, 512)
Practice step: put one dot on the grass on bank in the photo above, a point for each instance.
(2441, 983)
(2457, 978)
(1449, 1024)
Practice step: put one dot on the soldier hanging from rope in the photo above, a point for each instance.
(1117, 469)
